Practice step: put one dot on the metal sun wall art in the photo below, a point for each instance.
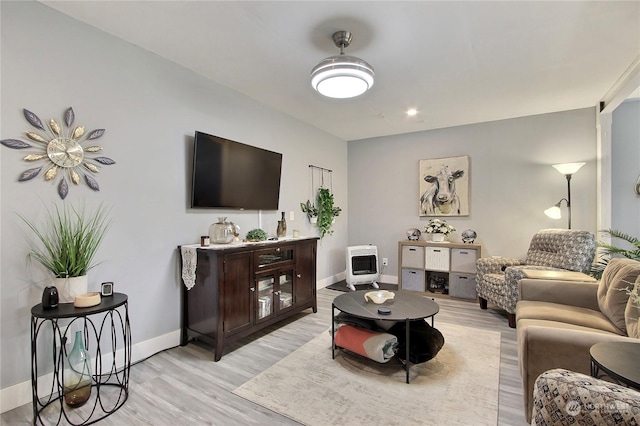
(60, 147)
(444, 186)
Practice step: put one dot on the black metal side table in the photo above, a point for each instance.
(107, 337)
(618, 360)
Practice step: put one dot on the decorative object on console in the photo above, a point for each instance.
(281, 231)
(50, 297)
(107, 289)
(86, 300)
(413, 234)
(379, 296)
(469, 236)
(567, 169)
(67, 244)
(438, 229)
(256, 235)
(60, 147)
(222, 232)
(342, 76)
(444, 186)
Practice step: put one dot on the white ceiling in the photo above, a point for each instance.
(456, 62)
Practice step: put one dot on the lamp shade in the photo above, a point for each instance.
(342, 76)
(553, 212)
(568, 168)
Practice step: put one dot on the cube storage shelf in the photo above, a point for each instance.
(448, 268)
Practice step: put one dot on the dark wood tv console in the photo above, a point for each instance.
(242, 288)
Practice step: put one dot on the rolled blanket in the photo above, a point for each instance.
(380, 347)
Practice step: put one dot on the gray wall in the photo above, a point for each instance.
(625, 135)
(511, 182)
(150, 109)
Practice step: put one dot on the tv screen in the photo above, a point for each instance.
(228, 174)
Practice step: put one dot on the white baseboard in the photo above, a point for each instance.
(17, 395)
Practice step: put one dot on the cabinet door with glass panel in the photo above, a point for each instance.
(275, 293)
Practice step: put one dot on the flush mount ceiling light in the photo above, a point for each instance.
(342, 76)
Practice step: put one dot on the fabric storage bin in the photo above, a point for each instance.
(464, 260)
(436, 259)
(462, 286)
(413, 257)
(412, 279)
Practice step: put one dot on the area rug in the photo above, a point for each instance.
(457, 387)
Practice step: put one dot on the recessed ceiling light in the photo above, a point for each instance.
(411, 112)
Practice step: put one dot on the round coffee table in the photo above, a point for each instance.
(618, 360)
(405, 306)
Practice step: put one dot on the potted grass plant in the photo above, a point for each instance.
(66, 243)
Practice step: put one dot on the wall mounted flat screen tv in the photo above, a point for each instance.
(233, 175)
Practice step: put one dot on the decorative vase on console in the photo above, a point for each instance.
(282, 227)
(222, 232)
(77, 374)
(438, 229)
(438, 238)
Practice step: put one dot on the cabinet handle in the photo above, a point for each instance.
(276, 293)
(278, 249)
(299, 275)
(252, 289)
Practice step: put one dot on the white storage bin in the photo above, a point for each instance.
(436, 259)
(464, 260)
(413, 279)
(462, 286)
(413, 257)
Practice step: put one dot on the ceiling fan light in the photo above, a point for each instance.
(342, 76)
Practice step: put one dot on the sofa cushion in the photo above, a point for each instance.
(583, 317)
(632, 313)
(619, 275)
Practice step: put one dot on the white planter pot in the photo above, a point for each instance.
(69, 288)
(313, 219)
(437, 238)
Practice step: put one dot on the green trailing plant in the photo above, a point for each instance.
(608, 251)
(256, 235)
(325, 211)
(68, 240)
(310, 209)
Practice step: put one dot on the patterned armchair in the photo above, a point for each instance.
(550, 249)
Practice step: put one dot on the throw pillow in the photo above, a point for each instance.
(619, 275)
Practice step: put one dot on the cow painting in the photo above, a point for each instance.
(444, 185)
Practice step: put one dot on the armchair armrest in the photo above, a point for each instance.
(495, 265)
(572, 293)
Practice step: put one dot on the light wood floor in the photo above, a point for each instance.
(184, 386)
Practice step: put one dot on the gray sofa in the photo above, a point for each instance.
(559, 321)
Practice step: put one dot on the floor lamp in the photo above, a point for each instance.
(567, 169)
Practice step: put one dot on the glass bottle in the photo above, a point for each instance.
(222, 232)
(282, 227)
(77, 374)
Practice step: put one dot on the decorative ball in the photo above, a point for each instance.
(413, 234)
(469, 236)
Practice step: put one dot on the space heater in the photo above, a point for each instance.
(362, 266)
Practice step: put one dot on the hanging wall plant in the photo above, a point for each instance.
(326, 211)
(310, 210)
